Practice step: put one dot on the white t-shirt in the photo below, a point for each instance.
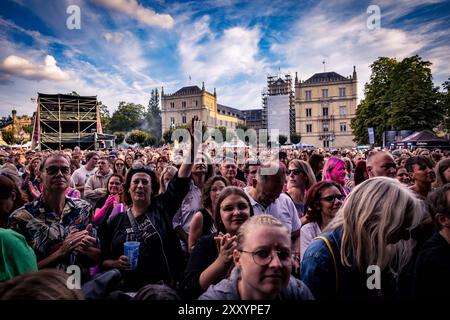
(283, 209)
(308, 232)
(80, 176)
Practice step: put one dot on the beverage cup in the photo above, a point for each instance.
(131, 250)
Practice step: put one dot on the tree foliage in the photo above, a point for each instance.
(120, 137)
(137, 136)
(127, 117)
(8, 136)
(398, 96)
(444, 100)
(295, 138)
(153, 115)
(282, 139)
(105, 117)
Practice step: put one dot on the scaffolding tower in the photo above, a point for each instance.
(66, 121)
(278, 86)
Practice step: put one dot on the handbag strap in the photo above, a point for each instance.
(134, 225)
(327, 242)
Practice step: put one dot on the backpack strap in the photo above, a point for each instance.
(327, 242)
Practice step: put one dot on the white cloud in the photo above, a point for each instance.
(138, 12)
(115, 37)
(21, 67)
(344, 43)
(218, 58)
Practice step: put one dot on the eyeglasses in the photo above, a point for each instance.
(263, 257)
(296, 172)
(332, 198)
(120, 164)
(52, 170)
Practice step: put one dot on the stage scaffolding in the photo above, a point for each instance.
(66, 121)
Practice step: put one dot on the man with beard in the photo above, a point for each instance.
(57, 227)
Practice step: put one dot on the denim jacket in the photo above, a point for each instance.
(318, 273)
(317, 267)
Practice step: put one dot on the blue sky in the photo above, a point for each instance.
(125, 48)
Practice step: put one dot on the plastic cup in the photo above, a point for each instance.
(131, 250)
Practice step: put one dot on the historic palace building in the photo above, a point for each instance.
(180, 107)
(324, 107)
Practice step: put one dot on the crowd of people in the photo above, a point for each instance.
(208, 229)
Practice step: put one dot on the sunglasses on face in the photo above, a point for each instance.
(52, 170)
(332, 198)
(296, 172)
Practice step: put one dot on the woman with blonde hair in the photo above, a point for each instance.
(263, 265)
(300, 177)
(370, 232)
(442, 170)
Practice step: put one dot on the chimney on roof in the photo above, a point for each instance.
(162, 91)
(203, 85)
(354, 73)
(215, 94)
(296, 78)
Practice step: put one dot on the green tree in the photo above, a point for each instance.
(167, 136)
(151, 140)
(153, 115)
(105, 117)
(399, 96)
(137, 136)
(295, 138)
(127, 117)
(120, 137)
(444, 100)
(414, 98)
(8, 136)
(282, 139)
(28, 129)
(373, 110)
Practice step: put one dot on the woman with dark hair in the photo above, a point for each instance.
(322, 202)
(119, 167)
(16, 255)
(110, 205)
(212, 257)
(360, 172)
(11, 198)
(316, 161)
(148, 221)
(202, 222)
